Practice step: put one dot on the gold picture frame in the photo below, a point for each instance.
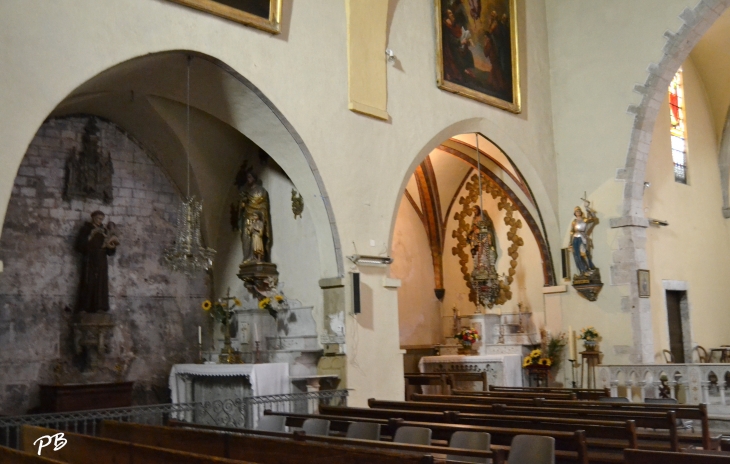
(271, 24)
(465, 51)
(643, 282)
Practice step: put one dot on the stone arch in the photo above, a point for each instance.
(547, 217)
(633, 249)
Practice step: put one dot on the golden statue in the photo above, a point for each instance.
(254, 220)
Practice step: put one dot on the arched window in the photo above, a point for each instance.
(678, 130)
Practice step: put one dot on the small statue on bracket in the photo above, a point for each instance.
(588, 280)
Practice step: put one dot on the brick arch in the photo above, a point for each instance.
(632, 246)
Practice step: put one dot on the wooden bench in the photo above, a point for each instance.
(85, 449)
(565, 396)
(623, 434)
(10, 455)
(660, 457)
(439, 380)
(653, 419)
(469, 377)
(582, 393)
(695, 412)
(375, 449)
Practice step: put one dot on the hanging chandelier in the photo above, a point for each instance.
(188, 254)
(484, 278)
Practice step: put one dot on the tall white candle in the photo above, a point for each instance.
(200, 336)
(571, 340)
(255, 332)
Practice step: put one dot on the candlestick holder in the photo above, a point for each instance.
(200, 359)
(257, 358)
(572, 372)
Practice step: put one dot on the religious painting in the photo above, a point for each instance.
(643, 282)
(476, 51)
(261, 14)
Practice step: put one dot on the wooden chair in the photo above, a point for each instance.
(361, 430)
(413, 435)
(702, 355)
(532, 449)
(469, 377)
(314, 426)
(271, 424)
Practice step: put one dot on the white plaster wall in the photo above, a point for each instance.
(695, 247)
(53, 47)
(598, 51)
(419, 311)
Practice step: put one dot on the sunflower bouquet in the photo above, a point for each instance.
(536, 358)
(273, 304)
(221, 309)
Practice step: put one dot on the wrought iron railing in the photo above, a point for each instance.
(234, 412)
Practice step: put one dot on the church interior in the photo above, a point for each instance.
(232, 231)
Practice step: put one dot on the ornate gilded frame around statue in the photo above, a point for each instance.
(515, 105)
(462, 230)
(271, 24)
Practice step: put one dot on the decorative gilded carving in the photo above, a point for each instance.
(297, 203)
(464, 228)
(89, 171)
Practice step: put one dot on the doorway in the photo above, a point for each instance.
(676, 301)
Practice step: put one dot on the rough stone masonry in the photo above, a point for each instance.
(156, 311)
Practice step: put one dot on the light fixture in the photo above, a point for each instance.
(658, 222)
(371, 260)
(647, 185)
(188, 254)
(389, 56)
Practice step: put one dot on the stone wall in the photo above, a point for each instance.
(156, 311)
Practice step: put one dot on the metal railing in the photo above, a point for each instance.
(233, 412)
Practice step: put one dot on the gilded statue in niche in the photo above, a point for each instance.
(588, 280)
(254, 219)
(251, 216)
(89, 171)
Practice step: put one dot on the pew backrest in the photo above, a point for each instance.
(660, 457)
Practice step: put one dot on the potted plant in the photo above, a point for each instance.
(467, 337)
(590, 337)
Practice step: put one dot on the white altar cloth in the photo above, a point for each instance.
(265, 379)
(506, 369)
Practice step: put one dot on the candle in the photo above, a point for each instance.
(571, 341)
(255, 332)
(200, 336)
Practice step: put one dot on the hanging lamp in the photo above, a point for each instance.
(188, 254)
(484, 278)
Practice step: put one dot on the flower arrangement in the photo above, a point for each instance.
(273, 305)
(467, 336)
(221, 309)
(536, 358)
(589, 334)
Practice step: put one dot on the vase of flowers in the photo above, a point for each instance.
(274, 304)
(536, 358)
(467, 337)
(590, 337)
(222, 311)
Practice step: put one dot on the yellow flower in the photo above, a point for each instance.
(264, 303)
(546, 362)
(206, 305)
(279, 298)
(536, 354)
(236, 302)
(527, 361)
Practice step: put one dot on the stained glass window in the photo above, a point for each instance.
(678, 129)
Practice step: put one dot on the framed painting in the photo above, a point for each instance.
(644, 283)
(476, 51)
(261, 14)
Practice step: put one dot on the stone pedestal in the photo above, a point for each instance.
(92, 332)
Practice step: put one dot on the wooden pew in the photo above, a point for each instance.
(439, 380)
(601, 434)
(582, 393)
(375, 450)
(85, 449)
(660, 457)
(654, 419)
(565, 396)
(604, 440)
(10, 455)
(696, 412)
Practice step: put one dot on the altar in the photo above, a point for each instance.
(191, 383)
(503, 370)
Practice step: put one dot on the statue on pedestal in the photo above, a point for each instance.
(93, 324)
(588, 280)
(251, 216)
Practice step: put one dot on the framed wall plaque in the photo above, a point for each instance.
(261, 14)
(476, 51)
(644, 283)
